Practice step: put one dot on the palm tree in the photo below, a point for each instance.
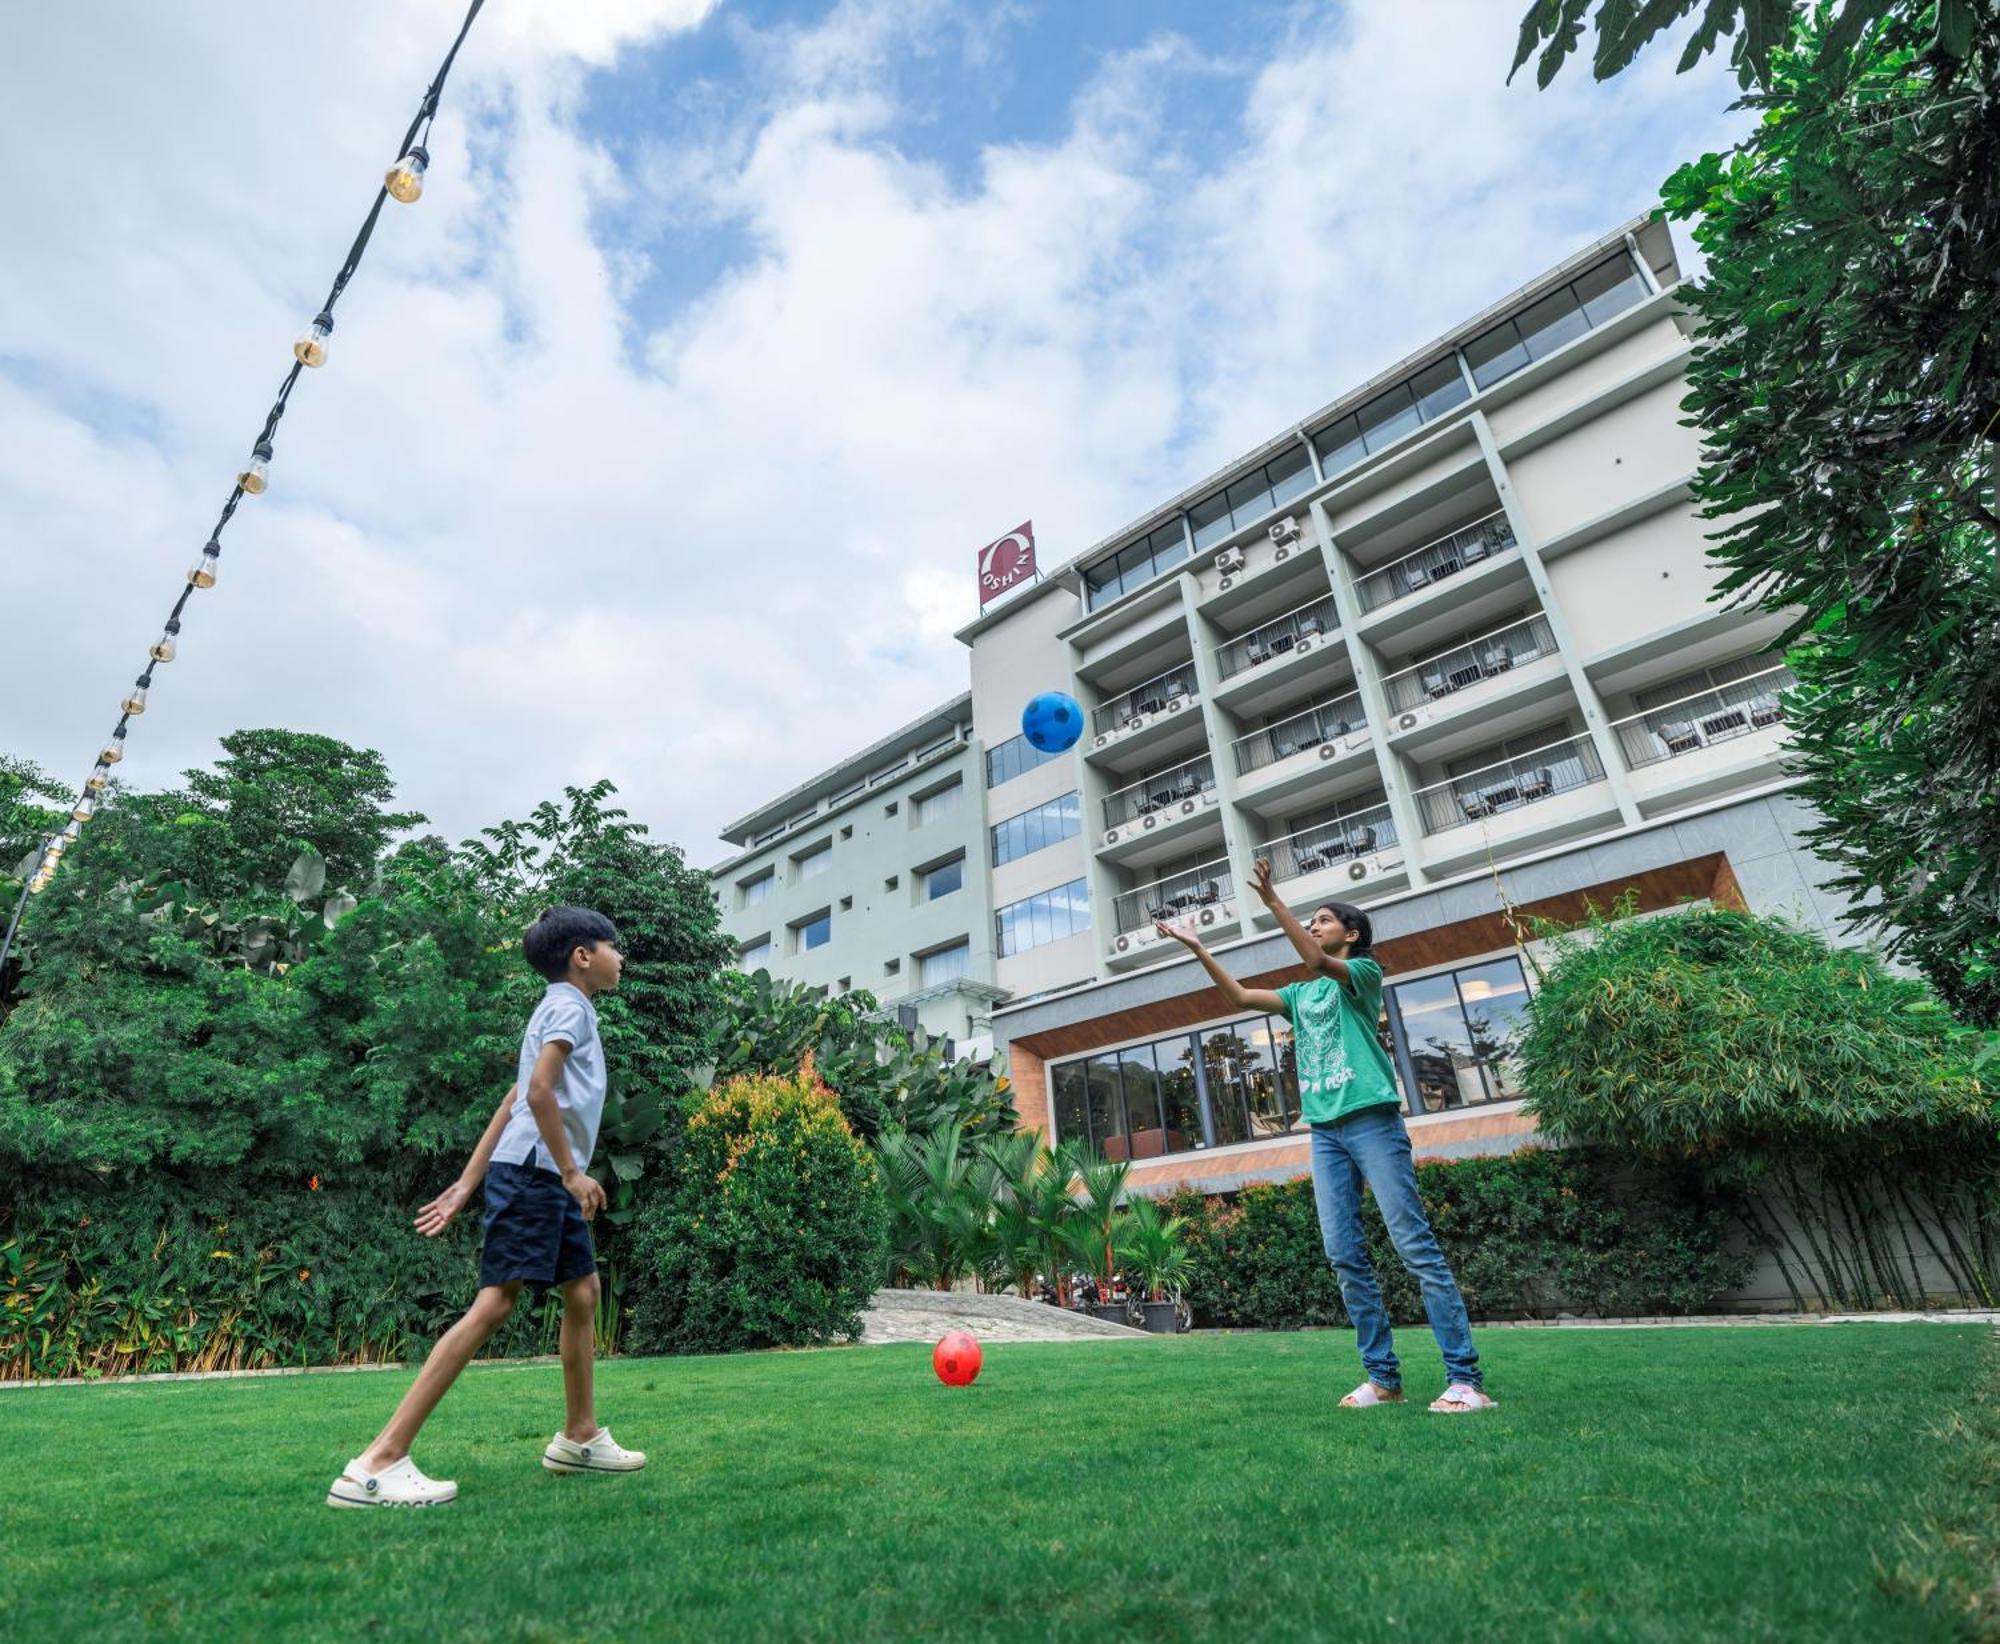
(1153, 1251)
(1095, 1228)
(940, 1202)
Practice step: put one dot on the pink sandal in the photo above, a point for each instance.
(1460, 1398)
(1369, 1393)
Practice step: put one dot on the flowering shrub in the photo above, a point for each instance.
(773, 1230)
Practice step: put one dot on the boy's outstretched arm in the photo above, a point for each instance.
(1316, 958)
(1234, 991)
(436, 1216)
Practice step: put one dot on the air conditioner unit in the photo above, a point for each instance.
(1136, 723)
(1328, 750)
(1102, 740)
(1187, 807)
(1303, 646)
(1175, 704)
(1357, 870)
(1285, 530)
(1150, 820)
(1207, 916)
(1123, 944)
(1410, 718)
(1230, 561)
(1111, 836)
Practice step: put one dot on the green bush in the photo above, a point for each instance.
(1532, 1234)
(772, 1231)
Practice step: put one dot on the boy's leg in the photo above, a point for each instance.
(1381, 1146)
(456, 1348)
(579, 1356)
(1337, 1196)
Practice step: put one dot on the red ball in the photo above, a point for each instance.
(956, 1359)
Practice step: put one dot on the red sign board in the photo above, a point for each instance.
(1007, 562)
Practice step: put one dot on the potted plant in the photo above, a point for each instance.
(1096, 1229)
(1158, 1264)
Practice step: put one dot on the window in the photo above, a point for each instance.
(751, 891)
(1706, 679)
(943, 879)
(1137, 563)
(1012, 758)
(935, 806)
(1613, 286)
(814, 933)
(1458, 1029)
(1387, 418)
(1048, 916)
(754, 954)
(811, 864)
(944, 965)
(1034, 830)
(1250, 497)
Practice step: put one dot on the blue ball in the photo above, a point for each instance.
(1052, 722)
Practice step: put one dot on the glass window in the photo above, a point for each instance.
(1290, 474)
(1460, 1030)
(1339, 446)
(1555, 320)
(1495, 996)
(1106, 1112)
(945, 965)
(754, 954)
(1142, 1102)
(1209, 520)
(1495, 354)
(1179, 1102)
(1262, 1087)
(812, 864)
(1439, 389)
(1034, 830)
(945, 878)
(1012, 758)
(1388, 417)
(1048, 916)
(1609, 288)
(940, 804)
(815, 933)
(757, 889)
(1223, 1053)
(1169, 546)
(1070, 1095)
(1248, 498)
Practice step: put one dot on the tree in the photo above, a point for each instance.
(1846, 375)
(275, 793)
(32, 806)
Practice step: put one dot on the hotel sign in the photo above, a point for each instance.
(1007, 562)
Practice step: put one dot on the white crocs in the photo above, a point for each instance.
(397, 1485)
(600, 1453)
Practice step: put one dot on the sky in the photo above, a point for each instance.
(657, 440)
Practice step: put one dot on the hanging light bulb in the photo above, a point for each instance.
(113, 752)
(405, 179)
(52, 854)
(84, 809)
(256, 475)
(310, 349)
(135, 701)
(72, 833)
(99, 778)
(38, 884)
(201, 574)
(164, 648)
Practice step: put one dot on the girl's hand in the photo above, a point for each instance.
(1183, 934)
(436, 1216)
(1260, 881)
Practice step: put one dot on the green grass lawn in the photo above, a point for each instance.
(1770, 1483)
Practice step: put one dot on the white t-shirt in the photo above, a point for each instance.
(567, 1015)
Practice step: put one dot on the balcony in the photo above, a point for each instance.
(1167, 697)
(1200, 893)
(1487, 657)
(1706, 743)
(1549, 795)
(1289, 635)
(1319, 727)
(1436, 562)
(1159, 804)
(1328, 844)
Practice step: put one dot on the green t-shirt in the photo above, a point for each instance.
(1342, 1066)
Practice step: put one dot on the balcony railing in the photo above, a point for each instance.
(1509, 784)
(1148, 698)
(1278, 637)
(1367, 835)
(1175, 897)
(1160, 791)
(1323, 722)
(1698, 721)
(1514, 646)
(1435, 561)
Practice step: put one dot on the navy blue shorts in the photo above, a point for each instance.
(534, 1230)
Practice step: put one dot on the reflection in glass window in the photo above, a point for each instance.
(1460, 1030)
(1106, 1113)
(1388, 417)
(1609, 288)
(1438, 389)
(815, 933)
(754, 954)
(1223, 1055)
(1034, 830)
(1263, 1089)
(1180, 1103)
(1048, 916)
(945, 878)
(1289, 475)
(1495, 354)
(1548, 324)
(1068, 1103)
(945, 965)
(1209, 520)
(1340, 446)
(1012, 758)
(1142, 1102)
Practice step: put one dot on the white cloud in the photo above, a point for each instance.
(515, 540)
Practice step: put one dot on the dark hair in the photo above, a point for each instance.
(1358, 922)
(552, 938)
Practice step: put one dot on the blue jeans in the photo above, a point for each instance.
(1373, 1146)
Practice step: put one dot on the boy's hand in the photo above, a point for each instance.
(586, 1190)
(1183, 934)
(436, 1216)
(1260, 881)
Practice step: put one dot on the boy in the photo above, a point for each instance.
(1347, 1093)
(539, 1204)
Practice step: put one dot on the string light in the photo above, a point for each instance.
(404, 182)
(405, 179)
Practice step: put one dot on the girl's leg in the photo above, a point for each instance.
(1337, 1195)
(456, 1348)
(579, 1357)
(1380, 1143)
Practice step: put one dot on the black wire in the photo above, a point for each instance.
(426, 113)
